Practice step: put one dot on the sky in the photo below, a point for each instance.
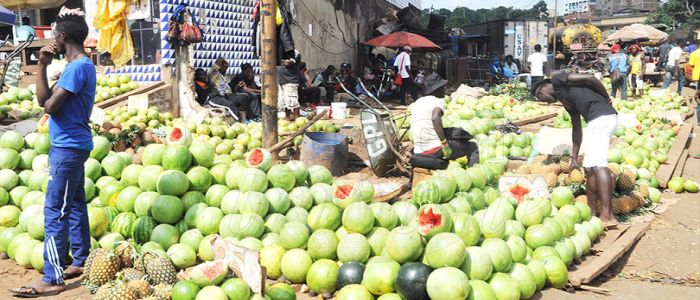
(475, 4)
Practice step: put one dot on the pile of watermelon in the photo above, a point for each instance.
(457, 236)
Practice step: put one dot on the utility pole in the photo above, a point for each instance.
(554, 33)
(268, 62)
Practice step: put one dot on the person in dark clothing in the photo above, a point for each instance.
(288, 83)
(208, 95)
(244, 83)
(585, 96)
(308, 93)
(221, 82)
(324, 81)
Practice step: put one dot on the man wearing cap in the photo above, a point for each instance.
(403, 65)
(618, 66)
(585, 96)
(636, 62)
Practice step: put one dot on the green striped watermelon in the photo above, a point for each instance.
(182, 226)
(426, 192)
(111, 212)
(142, 228)
(123, 222)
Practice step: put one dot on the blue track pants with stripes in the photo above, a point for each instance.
(65, 213)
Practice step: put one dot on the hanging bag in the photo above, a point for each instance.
(174, 25)
(398, 80)
(191, 33)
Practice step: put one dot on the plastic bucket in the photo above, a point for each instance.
(320, 109)
(326, 149)
(339, 110)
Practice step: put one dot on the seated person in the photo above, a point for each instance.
(308, 93)
(207, 94)
(347, 77)
(434, 143)
(220, 82)
(244, 83)
(324, 81)
(510, 68)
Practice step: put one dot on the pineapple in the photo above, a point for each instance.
(122, 291)
(137, 140)
(143, 260)
(151, 297)
(141, 287)
(126, 253)
(563, 179)
(551, 179)
(616, 204)
(614, 169)
(120, 145)
(582, 198)
(554, 168)
(524, 169)
(102, 292)
(149, 137)
(161, 270)
(103, 269)
(93, 253)
(160, 132)
(130, 151)
(130, 274)
(576, 176)
(644, 190)
(107, 126)
(137, 158)
(116, 132)
(163, 291)
(565, 164)
(539, 168)
(625, 182)
(539, 159)
(639, 197)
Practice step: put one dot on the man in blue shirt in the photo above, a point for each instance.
(618, 65)
(69, 103)
(25, 30)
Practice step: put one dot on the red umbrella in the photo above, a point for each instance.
(401, 39)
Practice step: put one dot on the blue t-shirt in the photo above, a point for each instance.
(618, 61)
(69, 126)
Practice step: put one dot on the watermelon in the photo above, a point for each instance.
(345, 194)
(179, 136)
(123, 222)
(446, 185)
(320, 174)
(350, 273)
(209, 273)
(202, 154)
(176, 157)
(167, 209)
(426, 192)
(260, 159)
(281, 176)
(153, 155)
(433, 219)
(412, 279)
(200, 178)
(142, 228)
(173, 183)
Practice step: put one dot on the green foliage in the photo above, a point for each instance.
(462, 16)
(681, 15)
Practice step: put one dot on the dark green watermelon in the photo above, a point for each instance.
(411, 281)
(350, 273)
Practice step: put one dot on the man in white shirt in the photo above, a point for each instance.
(536, 63)
(403, 65)
(672, 68)
(430, 139)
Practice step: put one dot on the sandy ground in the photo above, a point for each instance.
(664, 264)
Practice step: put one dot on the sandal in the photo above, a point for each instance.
(33, 293)
(71, 275)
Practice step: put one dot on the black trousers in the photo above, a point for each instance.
(253, 110)
(230, 104)
(408, 87)
(311, 95)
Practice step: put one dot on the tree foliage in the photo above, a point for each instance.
(462, 16)
(677, 15)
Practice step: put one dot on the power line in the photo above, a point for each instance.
(324, 27)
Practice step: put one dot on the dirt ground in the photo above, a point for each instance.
(664, 264)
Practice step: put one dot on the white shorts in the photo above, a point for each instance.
(599, 132)
(288, 96)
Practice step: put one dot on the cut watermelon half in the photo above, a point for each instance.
(433, 219)
(519, 192)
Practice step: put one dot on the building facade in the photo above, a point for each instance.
(611, 7)
(404, 3)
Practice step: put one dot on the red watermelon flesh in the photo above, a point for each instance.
(176, 134)
(519, 192)
(255, 158)
(343, 191)
(433, 220)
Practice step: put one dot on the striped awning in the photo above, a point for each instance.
(603, 46)
(576, 47)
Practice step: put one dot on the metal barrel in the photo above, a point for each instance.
(326, 149)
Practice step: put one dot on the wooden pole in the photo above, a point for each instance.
(268, 62)
(554, 40)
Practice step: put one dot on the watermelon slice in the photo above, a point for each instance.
(209, 273)
(179, 136)
(433, 219)
(260, 159)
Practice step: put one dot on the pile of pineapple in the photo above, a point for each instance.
(130, 139)
(628, 196)
(126, 274)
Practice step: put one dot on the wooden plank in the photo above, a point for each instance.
(681, 164)
(610, 237)
(535, 119)
(665, 170)
(158, 89)
(123, 97)
(585, 274)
